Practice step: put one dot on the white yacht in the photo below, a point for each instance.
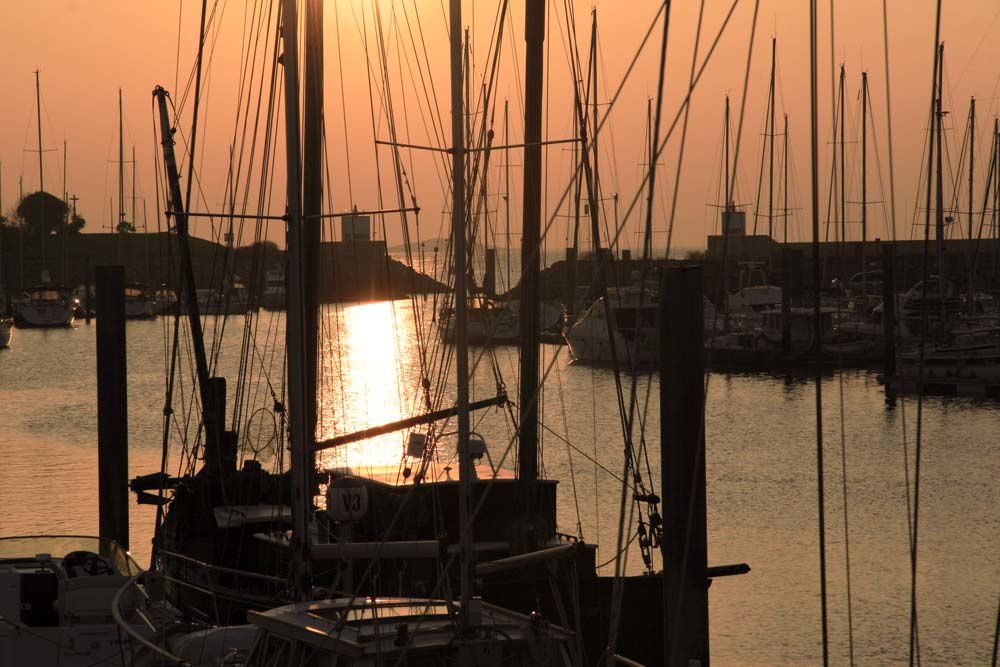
(46, 306)
(968, 364)
(57, 600)
(633, 326)
(754, 293)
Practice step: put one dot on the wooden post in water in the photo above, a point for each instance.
(112, 405)
(682, 465)
(889, 310)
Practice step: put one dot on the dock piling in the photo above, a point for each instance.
(682, 465)
(112, 405)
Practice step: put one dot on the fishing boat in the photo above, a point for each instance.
(45, 305)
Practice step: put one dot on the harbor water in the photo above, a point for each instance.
(761, 462)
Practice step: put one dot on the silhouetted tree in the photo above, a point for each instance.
(45, 214)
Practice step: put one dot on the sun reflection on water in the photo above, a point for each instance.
(366, 362)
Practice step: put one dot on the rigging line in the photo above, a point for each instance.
(814, 171)
(935, 117)
(343, 103)
(888, 115)
(746, 82)
(684, 103)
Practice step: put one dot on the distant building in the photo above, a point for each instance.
(356, 228)
(734, 222)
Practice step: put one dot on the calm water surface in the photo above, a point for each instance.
(761, 472)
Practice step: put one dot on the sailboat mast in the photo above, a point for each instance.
(725, 141)
(461, 305)
(65, 221)
(843, 161)
(506, 186)
(38, 110)
(864, 164)
(41, 171)
(972, 157)
(135, 220)
(312, 208)
(188, 295)
(939, 177)
(784, 180)
(530, 330)
(770, 139)
(295, 333)
(595, 163)
(647, 232)
(121, 170)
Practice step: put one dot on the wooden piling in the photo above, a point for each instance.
(112, 405)
(682, 465)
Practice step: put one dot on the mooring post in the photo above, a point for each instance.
(889, 311)
(682, 465)
(112, 405)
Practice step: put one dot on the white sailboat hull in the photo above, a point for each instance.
(46, 314)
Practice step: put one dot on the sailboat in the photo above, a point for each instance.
(47, 304)
(237, 542)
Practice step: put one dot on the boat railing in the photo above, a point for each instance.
(136, 598)
(220, 583)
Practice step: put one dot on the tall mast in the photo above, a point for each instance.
(38, 110)
(41, 172)
(725, 140)
(295, 329)
(647, 232)
(65, 228)
(135, 220)
(121, 165)
(843, 161)
(596, 120)
(864, 165)
(534, 29)
(784, 179)
(506, 187)
(939, 178)
(972, 157)
(312, 208)
(461, 305)
(770, 137)
(188, 296)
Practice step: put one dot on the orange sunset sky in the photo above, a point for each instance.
(87, 49)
